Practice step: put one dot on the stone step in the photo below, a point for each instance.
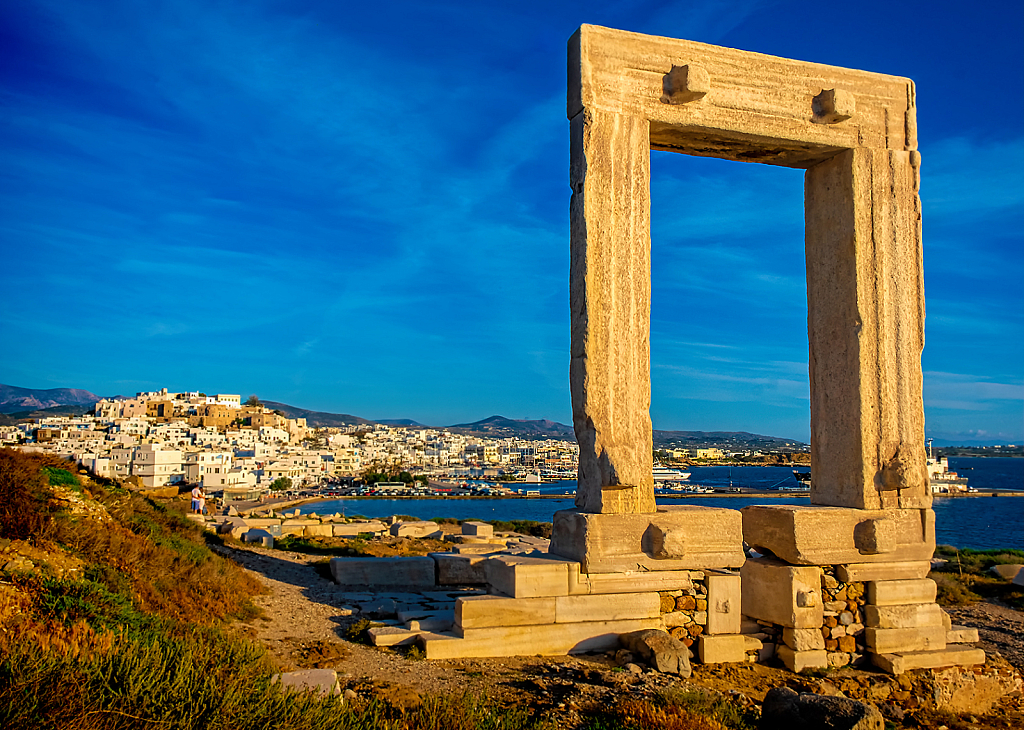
(497, 611)
(893, 641)
(961, 635)
(546, 640)
(530, 576)
(951, 656)
(397, 636)
(900, 592)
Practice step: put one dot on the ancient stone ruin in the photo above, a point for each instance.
(841, 581)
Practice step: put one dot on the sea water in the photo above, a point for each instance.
(966, 522)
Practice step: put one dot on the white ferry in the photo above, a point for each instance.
(941, 479)
(667, 477)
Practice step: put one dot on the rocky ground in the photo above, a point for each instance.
(305, 622)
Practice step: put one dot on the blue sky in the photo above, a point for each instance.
(362, 207)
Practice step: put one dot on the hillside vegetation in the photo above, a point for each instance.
(115, 613)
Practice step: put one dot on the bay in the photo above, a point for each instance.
(967, 522)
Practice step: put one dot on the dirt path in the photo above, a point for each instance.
(305, 620)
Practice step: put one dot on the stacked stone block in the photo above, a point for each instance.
(685, 612)
(906, 629)
(843, 617)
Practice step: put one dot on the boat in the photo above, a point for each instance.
(667, 477)
(802, 476)
(940, 478)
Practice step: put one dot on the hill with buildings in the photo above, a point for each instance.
(726, 440)
(18, 404)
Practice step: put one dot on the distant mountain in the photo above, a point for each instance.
(31, 415)
(14, 399)
(408, 422)
(501, 427)
(317, 418)
(721, 440)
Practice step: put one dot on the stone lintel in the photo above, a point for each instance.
(734, 104)
(672, 539)
(821, 535)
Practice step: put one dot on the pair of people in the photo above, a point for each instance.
(198, 500)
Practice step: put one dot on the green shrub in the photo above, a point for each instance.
(524, 527)
(61, 477)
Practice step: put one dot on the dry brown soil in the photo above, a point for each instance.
(304, 625)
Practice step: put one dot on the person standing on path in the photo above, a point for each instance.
(201, 501)
(197, 493)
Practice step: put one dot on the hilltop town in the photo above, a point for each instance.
(241, 448)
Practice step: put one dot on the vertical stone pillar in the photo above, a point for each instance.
(610, 303)
(865, 324)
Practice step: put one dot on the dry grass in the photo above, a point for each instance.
(673, 710)
(965, 577)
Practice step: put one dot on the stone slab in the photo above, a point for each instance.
(632, 581)
(529, 576)
(318, 530)
(254, 534)
(261, 521)
(913, 616)
(477, 529)
(723, 649)
(391, 636)
(782, 594)
(725, 596)
(547, 640)
(894, 641)
(491, 611)
(354, 529)
(607, 607)
(413, 529)
(322, 682)
(798, 661)
(951, 656)
(961, 635)
(678, 537)
(457, 569)
(442, 622)
(803, 639)
(901, 592)
(863, 572)
(819, 535)
(417, 571)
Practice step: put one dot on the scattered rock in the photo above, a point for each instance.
(319, 681)
(19, 565)
(974, 689)
(784, 709)
(662, 651)
(1011, 572)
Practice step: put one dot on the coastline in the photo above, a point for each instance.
(695, 495)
